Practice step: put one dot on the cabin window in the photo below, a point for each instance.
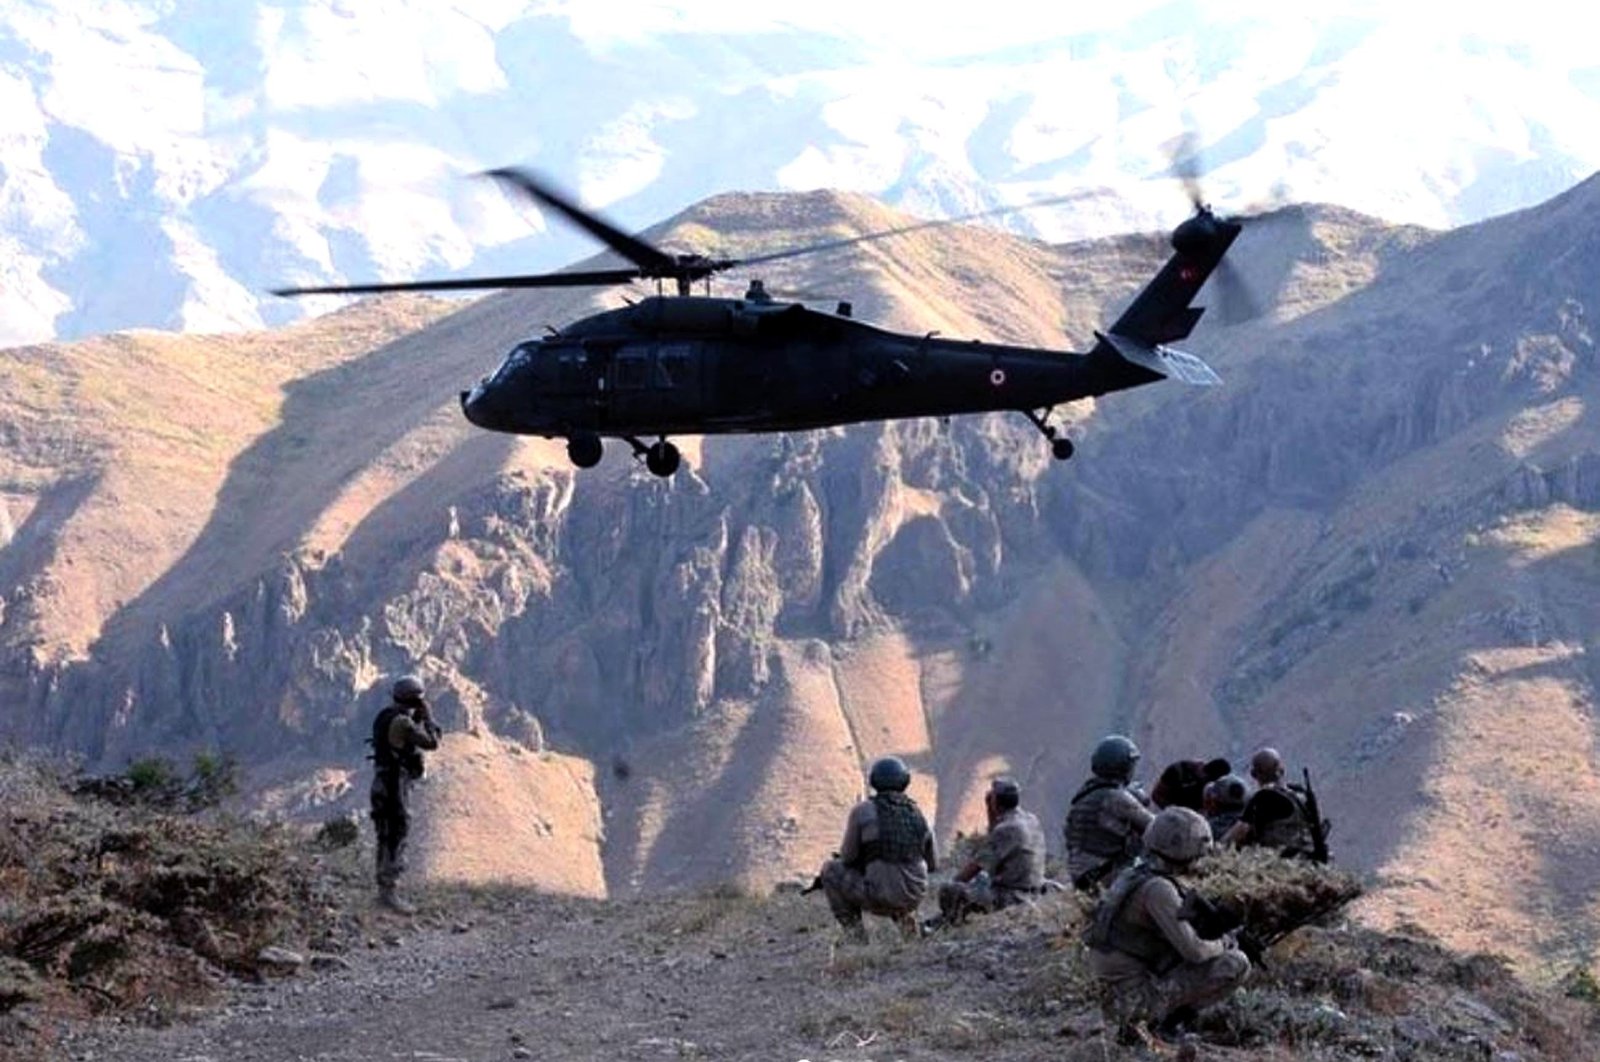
(672, 366)
(575, 376)
(633, 372)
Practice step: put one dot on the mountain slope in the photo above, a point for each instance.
(1374, 546)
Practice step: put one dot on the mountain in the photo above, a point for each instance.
(168, 162)
(1374, 547)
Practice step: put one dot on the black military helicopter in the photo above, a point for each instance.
(697, 365)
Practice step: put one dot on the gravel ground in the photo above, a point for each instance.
(686, 977)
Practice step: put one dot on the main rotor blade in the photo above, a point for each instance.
(540, 280)
(850, 241)
(635, 250)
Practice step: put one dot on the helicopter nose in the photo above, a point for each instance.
(472, 406)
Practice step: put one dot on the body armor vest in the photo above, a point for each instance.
(1292, 832)
(384, 754)
(902, 831)
(1112, 930)
(1086, 830)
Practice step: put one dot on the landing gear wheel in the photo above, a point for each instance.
(1061, 449)
(585, 450)
(662, 459)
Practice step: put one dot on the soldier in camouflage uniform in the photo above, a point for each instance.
(400, 734)
(1009, 865)
(882, 865)
(1106, 819)
(1275, 815)
(1151, 964)
(1224, 802)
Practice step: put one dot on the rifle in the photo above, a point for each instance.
(1319, 825)
(1212, 920)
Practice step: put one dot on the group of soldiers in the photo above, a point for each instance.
(1129, 848)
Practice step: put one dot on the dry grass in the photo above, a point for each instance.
(129, 908)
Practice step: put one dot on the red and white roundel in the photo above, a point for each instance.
(997, 378)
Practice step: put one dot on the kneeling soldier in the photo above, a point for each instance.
(883, 863)
(1151, 963)
(1009, 864)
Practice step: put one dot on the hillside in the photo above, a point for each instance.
(1375, 547)
(135, 930)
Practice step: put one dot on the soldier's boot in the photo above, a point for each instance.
(1175, 1023)
(387, 897)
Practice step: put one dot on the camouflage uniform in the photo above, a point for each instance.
(1276, 817)
(1222, 821)
(1150, 962)
(1012, 862)
(1103, 828)
(883, 862)
(398, 766)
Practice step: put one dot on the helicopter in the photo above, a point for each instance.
(688, 364)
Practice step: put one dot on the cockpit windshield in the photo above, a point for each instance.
(519, 356)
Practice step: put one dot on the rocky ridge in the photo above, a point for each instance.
(1370, 547)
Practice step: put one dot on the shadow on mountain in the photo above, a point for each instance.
(333, 425)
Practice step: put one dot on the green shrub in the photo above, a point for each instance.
(152, 776)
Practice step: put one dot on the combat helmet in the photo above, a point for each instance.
(1178, 835)
(1229, 792)
(1115, 758)
(889, 774)
(407, 689)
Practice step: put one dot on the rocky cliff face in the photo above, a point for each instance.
(1375, 547)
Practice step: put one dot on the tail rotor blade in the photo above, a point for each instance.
(1183, 153)
(1237, 300)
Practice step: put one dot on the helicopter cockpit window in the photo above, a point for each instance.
(515, 360)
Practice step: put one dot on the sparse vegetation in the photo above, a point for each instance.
(121, 898)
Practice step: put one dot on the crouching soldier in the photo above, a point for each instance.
(1009, 865)
(1152, 965)
(400, 733)
(883, 863)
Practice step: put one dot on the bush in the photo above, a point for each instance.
(215, 778)
(341, 831)
(152, 777)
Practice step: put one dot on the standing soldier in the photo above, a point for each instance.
(1275, 816)
(1150, 961)
(1106, 820)
(400, 733)
(1010, 860)
(882, 865)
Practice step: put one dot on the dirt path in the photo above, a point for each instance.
(687, 977)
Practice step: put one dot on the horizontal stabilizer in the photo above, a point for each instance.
(1162, 360)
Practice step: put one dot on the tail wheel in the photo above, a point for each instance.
(1061, 449)
(663, 459)
(585, 450)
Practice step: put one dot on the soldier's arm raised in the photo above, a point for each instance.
(1128, 812)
